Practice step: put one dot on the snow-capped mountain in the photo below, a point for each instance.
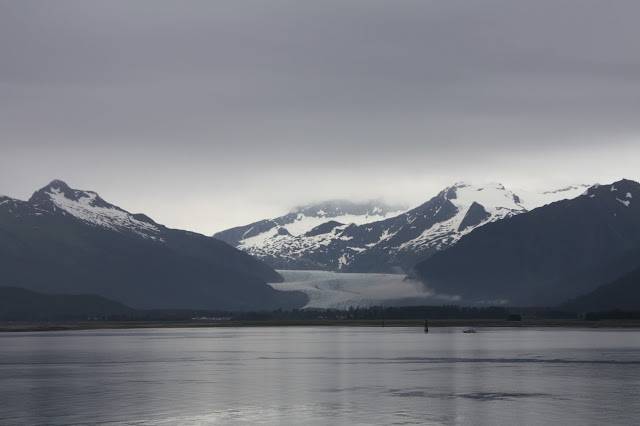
(391, 244)
(304, 229)
(305, 219)
(93, 210)
(64, 240)
(545, 256)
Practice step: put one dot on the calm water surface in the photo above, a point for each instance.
(321, 376)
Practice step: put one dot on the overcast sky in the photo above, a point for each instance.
(212, 114)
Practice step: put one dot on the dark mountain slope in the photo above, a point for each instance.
(623, 293)
(71, 241)
(534, 258)
(22, 304)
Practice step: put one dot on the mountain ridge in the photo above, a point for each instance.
(544, 256)
(69, 241)
(391, 244)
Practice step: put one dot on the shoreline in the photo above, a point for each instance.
(13, 327)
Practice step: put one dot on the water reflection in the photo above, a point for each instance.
(320, 376)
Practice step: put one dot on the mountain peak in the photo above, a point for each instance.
(335, 208)
(306, 219)
(491, 193)
(89, 207)
(463, 184)
(57, 183)
(623, 191)
(626, 183)
(623, 184)
(57, 190)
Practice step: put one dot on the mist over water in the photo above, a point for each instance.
(321, 375)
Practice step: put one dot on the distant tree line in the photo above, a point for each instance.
(353, 313)
(380, 313)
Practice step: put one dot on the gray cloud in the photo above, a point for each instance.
(258, 105)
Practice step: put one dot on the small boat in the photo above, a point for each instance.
(469, 330)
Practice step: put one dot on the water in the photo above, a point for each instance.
(321, 375)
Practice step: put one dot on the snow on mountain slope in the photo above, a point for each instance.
(391, 244)
(305, 229)
(18, 208)
(531, 200)
(90, 208)
(5, 200)
(490, 203)
(401, 242)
